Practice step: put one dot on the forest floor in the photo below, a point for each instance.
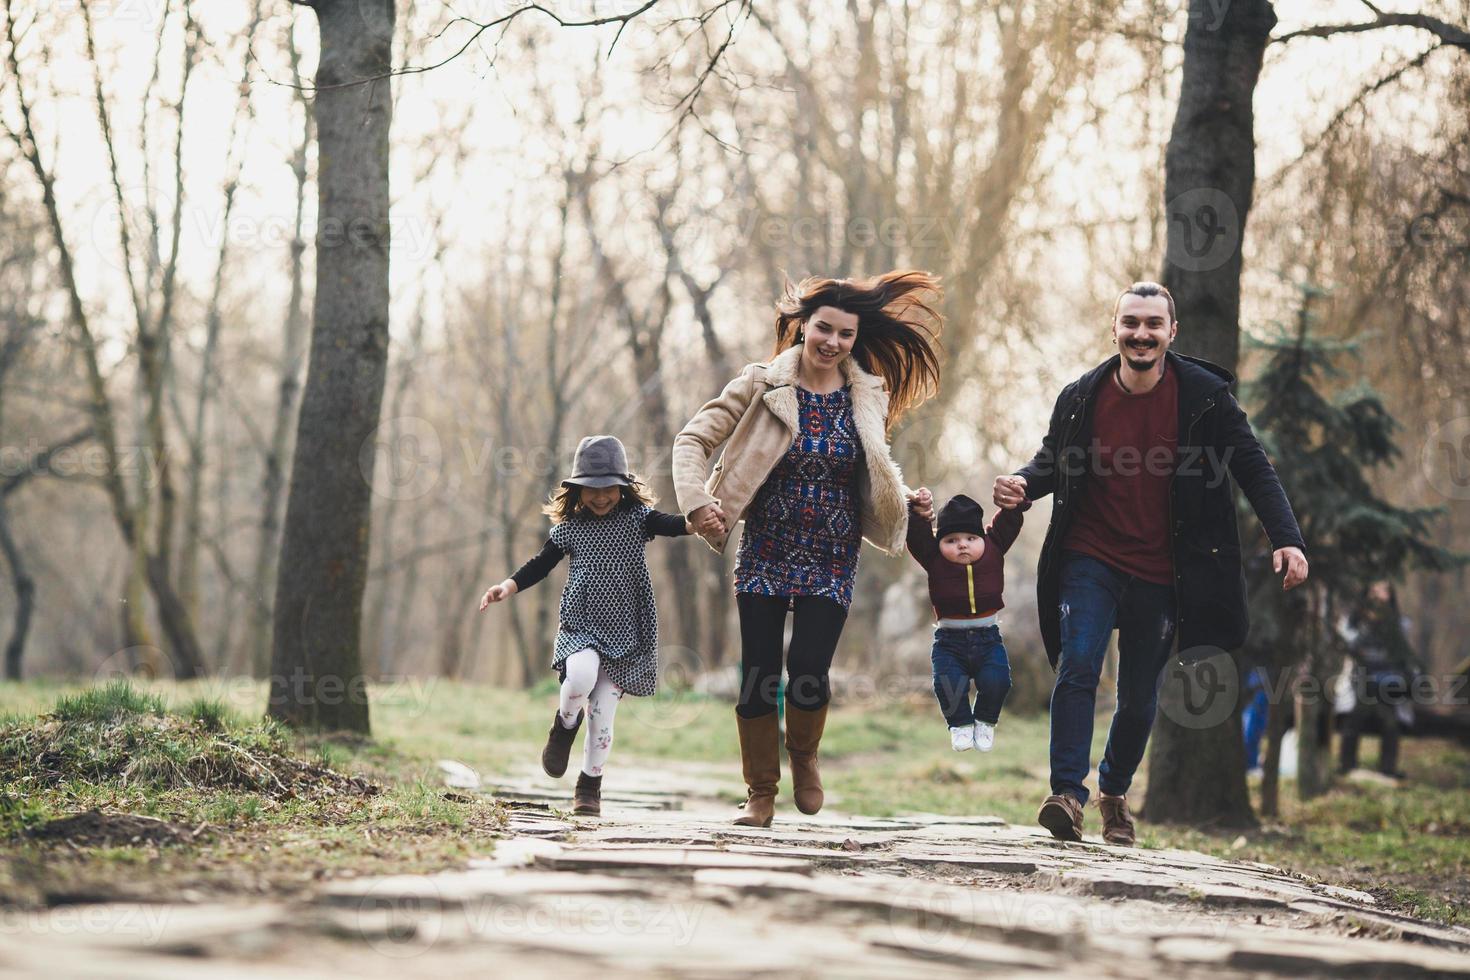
(165, 819)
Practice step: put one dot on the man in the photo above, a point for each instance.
(1143, 538)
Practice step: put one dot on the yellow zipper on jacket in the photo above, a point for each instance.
(970, 580)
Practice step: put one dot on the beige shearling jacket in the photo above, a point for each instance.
(757, 413)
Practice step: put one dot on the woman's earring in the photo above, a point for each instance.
(799, 337)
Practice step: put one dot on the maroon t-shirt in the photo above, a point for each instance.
(1123, 517)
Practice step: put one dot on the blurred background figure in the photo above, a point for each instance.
(1381, 666)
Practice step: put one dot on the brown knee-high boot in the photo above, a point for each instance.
(803, 735)
(760, 759)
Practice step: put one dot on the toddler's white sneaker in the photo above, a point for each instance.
(984, 738)
(962, 738)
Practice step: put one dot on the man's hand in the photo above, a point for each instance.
(923, 502)
(497, 593)
(708, 519)
(1010, 491)
(1295, 563)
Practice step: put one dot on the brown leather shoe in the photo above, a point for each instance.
(587, 799)
(1062, 815)
(559, 745)
(1117, 823)
(803, 736)
(760, 761)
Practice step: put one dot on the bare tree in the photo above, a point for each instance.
(316, 670)
(133, 516)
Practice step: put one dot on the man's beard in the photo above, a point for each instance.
(1135, 363)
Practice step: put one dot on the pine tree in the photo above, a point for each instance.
(1326, 449)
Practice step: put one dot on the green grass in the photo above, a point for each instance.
(116, 700)
(279, 810)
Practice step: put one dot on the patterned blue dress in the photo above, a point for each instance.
(803, 530)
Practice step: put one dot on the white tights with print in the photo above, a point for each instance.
(588, 686)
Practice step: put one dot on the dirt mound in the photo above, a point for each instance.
(166, 752)
(96, 828)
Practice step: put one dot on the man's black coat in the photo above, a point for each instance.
(1214, 438)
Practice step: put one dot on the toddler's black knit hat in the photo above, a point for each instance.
(962, 515)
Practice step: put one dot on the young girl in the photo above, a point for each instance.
(607, 641)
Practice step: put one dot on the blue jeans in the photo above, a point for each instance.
(961, 656)
(1096, 598)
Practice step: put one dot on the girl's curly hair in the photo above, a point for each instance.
(566, 502)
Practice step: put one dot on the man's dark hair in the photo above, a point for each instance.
(1146, 289)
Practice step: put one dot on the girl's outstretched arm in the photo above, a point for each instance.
(526, 576)
(538, 567)
(667, 525)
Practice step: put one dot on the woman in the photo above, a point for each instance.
(809, 469)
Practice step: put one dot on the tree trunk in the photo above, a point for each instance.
(1278, 712)
(1210, 172)
(1198, 774)
(25, 597)
(316, 665)
(1313, 702)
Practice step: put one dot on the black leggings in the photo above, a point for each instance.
(816, 627)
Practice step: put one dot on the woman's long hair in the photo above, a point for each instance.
(898, 328)
(566, 502)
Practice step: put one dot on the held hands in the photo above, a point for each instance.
(498, 593)
(923, 502)
(1295, 563)
(1010, 491)
(707, 520)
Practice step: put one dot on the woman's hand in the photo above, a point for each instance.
(708, 519)
(497, 593)
(923, 502)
